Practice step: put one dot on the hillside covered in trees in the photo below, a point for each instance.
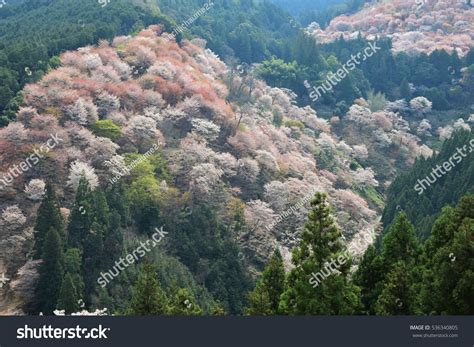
(143, 173)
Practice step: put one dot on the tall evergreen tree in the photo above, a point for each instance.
(148, 297)
(81, 217)
(368, 277)
(68, 299)
(50, 273)
(405, 91)
(320, 246)
(117, 201)
(265, 298)
(259, 301)
(380, 271)
(72, 267)
(101, 208)
(448, 281)
(48, 216)
(183, 303)
(113, 240)
(398, 296)
(273, 279)
(93, 257)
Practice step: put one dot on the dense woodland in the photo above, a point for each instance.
(239, 143)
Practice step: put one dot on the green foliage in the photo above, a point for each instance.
(376, 101)
(273, 278)
(259, 302)
(106, 128)
(68, 298)
(404, 278)
(48, 216)
(43, 29)
(182, 303)
(448, 284)
(144, 197)
(265, 298)
(320, 244)
(248, 30)
(293, 123)
(50, 273)
(398, 296)
(72, 267)
(148, 297)
(423, 208)
(81, 216)
(117, 201)
(280, 74)
(113, 240)
(389, 276)
(206, 246)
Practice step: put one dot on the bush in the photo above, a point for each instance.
(106, 128)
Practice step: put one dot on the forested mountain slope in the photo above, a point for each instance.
(223, 149)
(230, 156)
(422, 193)
(32, 32)
(414, 26)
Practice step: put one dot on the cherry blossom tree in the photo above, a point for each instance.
(12, 219)
(106, 104)
(35, 189)
(424, 129)
(77, 171)
(142, 132)
(205, 128)
(420, 105)
(248, 169)
(83, 112)
(205, 181)
(365, 177)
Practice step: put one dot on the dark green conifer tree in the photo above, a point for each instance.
(48, 216)
(50, 273)
(72, 266)
(68, 298)
(265, 298)
(82, 215)
(183, 303)
(380, 271)
(405, 91)
(259, 301)
(148, 297)
(93, 257)
(448, 280)
(320, 251)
